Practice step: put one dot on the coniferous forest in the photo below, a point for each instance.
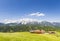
(14, 27)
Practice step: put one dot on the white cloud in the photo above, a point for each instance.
(9, 21)
(37, 14)
(24, 20)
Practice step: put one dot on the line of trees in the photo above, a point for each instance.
(22, 28)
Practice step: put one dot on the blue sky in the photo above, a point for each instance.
(16, 9)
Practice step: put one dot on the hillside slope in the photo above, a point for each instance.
(26, 36)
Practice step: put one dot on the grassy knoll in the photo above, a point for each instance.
(26, 36)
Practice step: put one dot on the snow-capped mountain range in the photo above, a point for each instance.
(29, 21)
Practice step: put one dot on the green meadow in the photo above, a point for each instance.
(26, 36)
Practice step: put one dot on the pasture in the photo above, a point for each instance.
(26, 36)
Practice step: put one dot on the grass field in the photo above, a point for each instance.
(26, 36)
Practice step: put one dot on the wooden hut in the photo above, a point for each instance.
(37, 31)
(51, 32)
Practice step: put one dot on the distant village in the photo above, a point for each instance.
(42, 32)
